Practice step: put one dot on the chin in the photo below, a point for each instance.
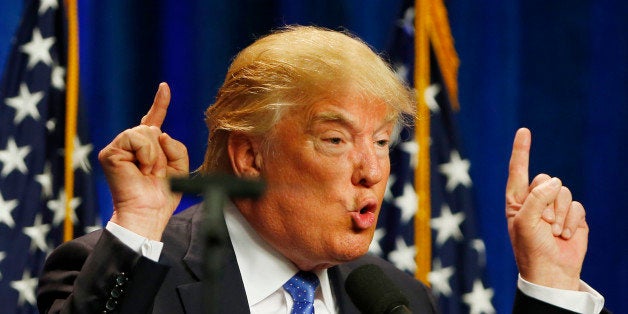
(351, 250)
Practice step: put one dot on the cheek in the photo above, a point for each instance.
(305, 167)
(386, 171)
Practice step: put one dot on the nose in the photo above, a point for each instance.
(369, 168)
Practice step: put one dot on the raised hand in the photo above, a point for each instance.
(547, 229)
(136, 164)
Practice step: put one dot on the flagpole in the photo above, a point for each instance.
(422, 229)
(71, 113)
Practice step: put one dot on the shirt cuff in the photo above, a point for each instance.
(586, 300)
(149, 248)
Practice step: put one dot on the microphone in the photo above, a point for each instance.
(373, 292)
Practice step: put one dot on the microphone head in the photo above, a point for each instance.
(372, 291)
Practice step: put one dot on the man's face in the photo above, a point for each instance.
(326, 169)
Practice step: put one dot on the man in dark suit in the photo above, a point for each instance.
(312, 113)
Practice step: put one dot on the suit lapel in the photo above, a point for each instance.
(337, 276)
(193, 257)
(232, 293)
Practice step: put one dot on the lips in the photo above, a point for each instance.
(364, 218)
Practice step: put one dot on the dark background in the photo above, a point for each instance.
(557, 67)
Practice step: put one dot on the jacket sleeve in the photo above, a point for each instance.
(98, 274)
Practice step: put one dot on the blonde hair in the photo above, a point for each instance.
(296, 65)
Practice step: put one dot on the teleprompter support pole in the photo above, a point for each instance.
(215, 189)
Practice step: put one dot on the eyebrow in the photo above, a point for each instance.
(337, 117)
(333, 117)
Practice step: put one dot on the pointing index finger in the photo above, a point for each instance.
(157, 112)
(517, 185)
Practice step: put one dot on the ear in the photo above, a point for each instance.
(244, 154)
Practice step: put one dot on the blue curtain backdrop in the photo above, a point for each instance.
(557, 67)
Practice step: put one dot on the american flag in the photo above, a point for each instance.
(32, 131)
(458, 256)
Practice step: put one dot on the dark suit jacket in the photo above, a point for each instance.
(97, 271)
(80, 276)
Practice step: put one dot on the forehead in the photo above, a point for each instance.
(351, 110)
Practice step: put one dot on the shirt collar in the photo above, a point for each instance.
(263, 269)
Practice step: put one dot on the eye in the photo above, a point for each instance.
(334, 140)
(382, 143)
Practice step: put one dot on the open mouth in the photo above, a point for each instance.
(365, 217)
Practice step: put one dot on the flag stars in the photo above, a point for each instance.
(478, 246)
(403, 256)
(429, 95)
(407, 22)
(47, 4)
(58, 207)
(447, 225)
(479, 299)
(12, 158)
(25, 288)
(45, 180)
(411, 148)
(375, 248)
(57, 79)
(30, 146)
(402, 72)
(408, 202)
(388, 195)
(6, 209)
(439, 278)
(38, 233)
(51, 125)
(2, 256)
(25, 104)
(80, 156)
(456, 171)
(38, 49)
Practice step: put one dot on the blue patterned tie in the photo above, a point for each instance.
(301, 287)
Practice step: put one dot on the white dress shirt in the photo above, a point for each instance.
(586, 300)
(264, 271)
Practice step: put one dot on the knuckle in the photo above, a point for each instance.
(143, 129)
(108, 156)
(154, 129)
(565, 191)
(542, 177)
(102, 154)
(538, 180)
(127, 134)
(540, 194)
(578, 208)
(511, 201)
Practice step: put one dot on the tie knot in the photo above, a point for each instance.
(301, 288)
